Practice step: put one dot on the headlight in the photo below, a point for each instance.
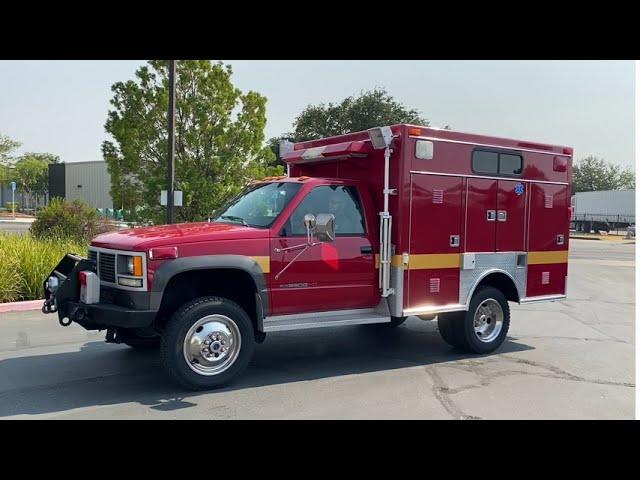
(130, 266)
(133, 265)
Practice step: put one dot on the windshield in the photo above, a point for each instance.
(258, 205)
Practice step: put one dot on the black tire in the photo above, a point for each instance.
(171, 348)
(448, 330)
(458, 330)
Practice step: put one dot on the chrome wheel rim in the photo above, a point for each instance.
(212, 345)
(488, 320)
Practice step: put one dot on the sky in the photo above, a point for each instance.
(60, 107)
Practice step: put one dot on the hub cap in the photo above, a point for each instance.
(487, 321)
(212, 344)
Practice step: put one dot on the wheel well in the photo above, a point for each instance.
(502, 282)
(233, 284)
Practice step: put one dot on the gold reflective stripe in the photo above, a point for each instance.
(396, 261)
(264, 262)
(434, 260)
(537, 258)
(452, 260)
(426, 261)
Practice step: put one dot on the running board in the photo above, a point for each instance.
(336, 318)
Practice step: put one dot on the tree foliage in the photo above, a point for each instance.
(31, 173)
(7, 147)
(593, 173)
(371, 108)
(219, 139)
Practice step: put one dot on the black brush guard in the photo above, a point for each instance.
(65, 301)
(68, 290)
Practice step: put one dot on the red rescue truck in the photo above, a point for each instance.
(367, 228)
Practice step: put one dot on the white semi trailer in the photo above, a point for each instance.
(604, 210)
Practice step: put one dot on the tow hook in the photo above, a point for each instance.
(50, 305)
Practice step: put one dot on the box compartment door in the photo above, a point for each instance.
(481, 215)
(510, 221)
(548, 239)
(435, 240)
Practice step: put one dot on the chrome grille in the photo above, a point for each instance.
(93, 256)
(107, 267)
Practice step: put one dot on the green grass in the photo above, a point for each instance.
(25, 262)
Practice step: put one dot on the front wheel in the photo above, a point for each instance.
(483, 327)
(207, 343)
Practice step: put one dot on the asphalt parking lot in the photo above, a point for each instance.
(563, 360)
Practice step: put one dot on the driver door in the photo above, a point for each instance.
(336, 275)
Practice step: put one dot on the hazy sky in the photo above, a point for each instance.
(61, 106)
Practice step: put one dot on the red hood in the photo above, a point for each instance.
(147, 237)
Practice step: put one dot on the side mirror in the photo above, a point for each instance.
(325, 227)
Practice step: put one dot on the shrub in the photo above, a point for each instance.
(9, 206)
(68, 220)
(26, 261)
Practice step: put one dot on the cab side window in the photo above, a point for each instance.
(342, 201)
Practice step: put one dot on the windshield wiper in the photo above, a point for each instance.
(237, 219)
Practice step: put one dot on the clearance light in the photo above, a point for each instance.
(416, 132)
(163, 253)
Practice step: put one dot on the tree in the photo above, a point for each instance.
(219, 139)
(593, 173)
(7, 147)
(32, 177)
(370, 109)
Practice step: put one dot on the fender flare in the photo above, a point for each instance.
(485, 275)
(171, 268)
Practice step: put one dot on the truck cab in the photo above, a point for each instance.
(366, 228)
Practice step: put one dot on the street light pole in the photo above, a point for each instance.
(172, 141)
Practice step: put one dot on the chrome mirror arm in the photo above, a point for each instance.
(306, 247)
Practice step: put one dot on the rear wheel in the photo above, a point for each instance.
(207, 343)
(483, 327)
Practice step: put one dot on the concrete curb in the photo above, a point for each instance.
(21, 306)
(579, 237)
(603, 239)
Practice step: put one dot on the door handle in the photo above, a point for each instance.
(491, 215)
(502, 215)
(366, 250)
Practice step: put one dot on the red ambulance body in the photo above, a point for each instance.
(366, 228)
